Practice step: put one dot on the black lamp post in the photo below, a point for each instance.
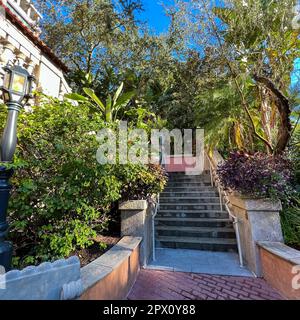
(16, 91)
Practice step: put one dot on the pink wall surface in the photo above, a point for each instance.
(180, 163)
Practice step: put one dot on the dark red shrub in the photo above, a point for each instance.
(256, 175)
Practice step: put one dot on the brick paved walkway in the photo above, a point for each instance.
(165, 285)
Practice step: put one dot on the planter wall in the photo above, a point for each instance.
(281, 268)
(59, 280)
(136, 221)
(112, 275)
(259, 220)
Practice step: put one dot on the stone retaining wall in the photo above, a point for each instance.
(136, 221)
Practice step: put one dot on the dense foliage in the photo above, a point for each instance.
(290, 216)
(290, 220)
(247, 93)
(257, 175)
(224, 66)
(62, 197)
(247, 51)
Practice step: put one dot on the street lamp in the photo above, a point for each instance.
(16, 91)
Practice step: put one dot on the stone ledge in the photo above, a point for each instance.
(281, 250)
(250, 204)
(59, 280)
(278, 267)
(108, 263)
(134, 205)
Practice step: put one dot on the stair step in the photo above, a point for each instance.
(192, 180)
(193, 222)
(193, 200)
(187, 184)
(191, 207)
(190, 216)
(191, 211)
(185, 174)
(198, 189)
(206, 244)
(194, 229)
(192, 219)
(188, 198)
(183, 195)
(208, 214)
(192, 204)
(178, 193)
(197, 240)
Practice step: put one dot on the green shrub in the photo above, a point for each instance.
(290, 216)
(141, 182)
(257, 175)
(290, 221)
(62, 197)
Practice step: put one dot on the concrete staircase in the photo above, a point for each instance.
(190, 216)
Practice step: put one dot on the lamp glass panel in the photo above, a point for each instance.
(16, 97)
(6, 96)
(29, 86)
(18, 83)
(6, 81)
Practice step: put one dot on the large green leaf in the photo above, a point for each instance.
(124, 99)
(108, 109)
(76, 97)
(94, 97)
(118, 92)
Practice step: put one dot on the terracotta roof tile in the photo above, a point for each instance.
(35, 39)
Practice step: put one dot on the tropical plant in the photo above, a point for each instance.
(110, 108)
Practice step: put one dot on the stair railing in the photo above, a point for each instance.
(162, 162)
(223, 195)
(153, 228)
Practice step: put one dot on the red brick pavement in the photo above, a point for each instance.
(165, 285)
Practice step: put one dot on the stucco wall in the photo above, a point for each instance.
(111, 276)
(15, 45)
(281, 268)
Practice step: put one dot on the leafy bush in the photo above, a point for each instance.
(290, 216)
(290, 221)
(62, 197)
(142, 182)
(257, 175)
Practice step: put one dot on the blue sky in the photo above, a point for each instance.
(154, 15)
(296, 75)
(159, 22)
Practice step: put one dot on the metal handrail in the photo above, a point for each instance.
(162, 162)
(153, 228)
(223, 193)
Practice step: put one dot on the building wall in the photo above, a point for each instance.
(16, 46)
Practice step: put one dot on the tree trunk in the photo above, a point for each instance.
(283, 107)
